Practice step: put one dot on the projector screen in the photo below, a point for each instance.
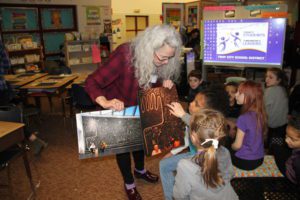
(244, 42)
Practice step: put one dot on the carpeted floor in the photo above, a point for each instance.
(63, 176)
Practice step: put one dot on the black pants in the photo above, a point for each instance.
(246, 164)
(281, 154)
(124, 163)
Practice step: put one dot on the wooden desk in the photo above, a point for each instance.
(79, 80)
(49, 86)
(18, 80)
(50, 83)
(11, 133)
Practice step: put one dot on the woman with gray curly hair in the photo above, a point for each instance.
(150, 60)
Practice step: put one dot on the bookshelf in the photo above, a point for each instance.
(30, 59)
(78, 55)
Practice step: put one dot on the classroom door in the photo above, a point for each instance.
(134, 25)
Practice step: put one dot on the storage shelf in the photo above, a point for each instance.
(27, 63)
(80, 55)
(84, 64)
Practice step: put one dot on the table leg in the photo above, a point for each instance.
(28, 171)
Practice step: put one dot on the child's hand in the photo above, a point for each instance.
(168, 84)
(176, 109)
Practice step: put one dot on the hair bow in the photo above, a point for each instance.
(215, 142)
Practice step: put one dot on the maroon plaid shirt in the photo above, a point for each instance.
(115, 78)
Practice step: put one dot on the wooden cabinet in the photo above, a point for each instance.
(30, 59)
(78, 55)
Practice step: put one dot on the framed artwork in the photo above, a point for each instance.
(93, 15)
(57, 18)
(107, 132)
(19, 19)
(173, 14)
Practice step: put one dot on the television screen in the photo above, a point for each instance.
(244, 42)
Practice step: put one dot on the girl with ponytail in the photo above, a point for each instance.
(206, 175)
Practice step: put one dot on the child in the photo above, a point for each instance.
(207, 175)
(234, 108)
(288, 161)
(208, 98)
(276, 103)
(196, 84)
(294, 101)
(251, 125)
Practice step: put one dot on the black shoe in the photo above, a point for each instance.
(133, 194)
(147, 176)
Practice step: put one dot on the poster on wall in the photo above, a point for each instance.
(162, 131)
(116, 29)
(93, 15)
(19, 20)
(173, 14)
(56, 18)
(107, 27)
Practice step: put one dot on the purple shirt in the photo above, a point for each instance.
(253, 145)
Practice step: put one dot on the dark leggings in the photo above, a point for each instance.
(124, 163)
(245, 164)
(281, 154)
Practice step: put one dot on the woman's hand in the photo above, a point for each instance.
(176, 109)
(168, 84)
(114, 104)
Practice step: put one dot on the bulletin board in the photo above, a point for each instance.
(57, 18)
(52, 42)
(19, 19)
(47, 24)
(173, 14)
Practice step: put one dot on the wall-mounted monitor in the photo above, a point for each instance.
(244, 42)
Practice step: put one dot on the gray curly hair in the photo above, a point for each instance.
(143, 48)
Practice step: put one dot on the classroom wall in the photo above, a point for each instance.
(293, 5)
(81, 12)
(152, 9)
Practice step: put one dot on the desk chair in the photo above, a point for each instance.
(11, 113)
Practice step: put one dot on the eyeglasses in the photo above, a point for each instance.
(161, 59)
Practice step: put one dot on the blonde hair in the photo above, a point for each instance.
(143, 48)
(208, 124)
